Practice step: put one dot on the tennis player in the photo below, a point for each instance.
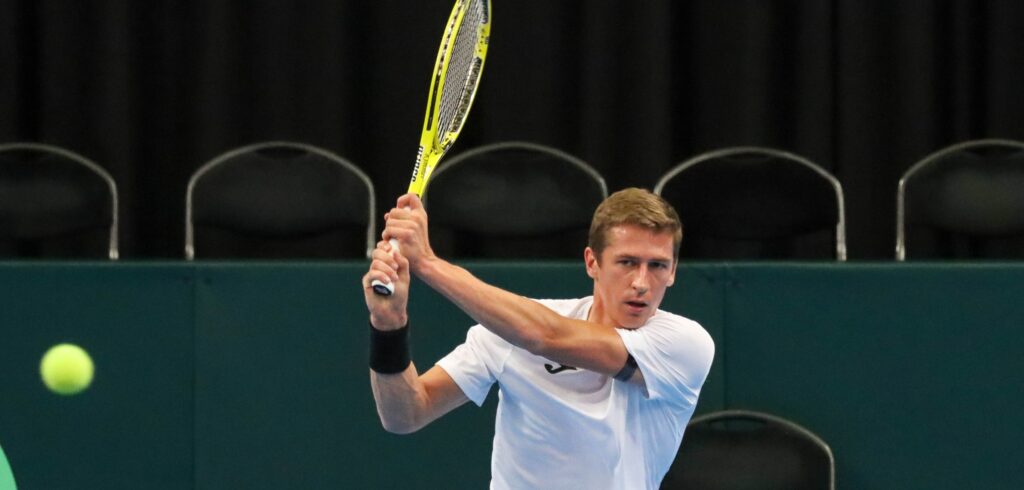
(594, 392)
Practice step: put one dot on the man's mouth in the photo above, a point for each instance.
(636, 305)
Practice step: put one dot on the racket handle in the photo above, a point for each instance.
(381, 288)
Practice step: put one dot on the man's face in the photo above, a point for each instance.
(630, 279)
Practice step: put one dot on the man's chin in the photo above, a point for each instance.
(630, 322)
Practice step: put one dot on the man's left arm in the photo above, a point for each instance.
(675, 355)
(520, 321)
(526, 323)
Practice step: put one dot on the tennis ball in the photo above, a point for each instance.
(66, 369)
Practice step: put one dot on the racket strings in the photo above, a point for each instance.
(463, 71)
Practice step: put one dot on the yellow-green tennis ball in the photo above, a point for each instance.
(66, 369)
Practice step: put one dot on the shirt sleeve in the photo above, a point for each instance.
(477, 363)
(674, 354)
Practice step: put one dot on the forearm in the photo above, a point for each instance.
(396, 386)
(401, 400)
(519, 320)
(407, 401)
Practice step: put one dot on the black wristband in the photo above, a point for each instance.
(627, 371)
(389, 350)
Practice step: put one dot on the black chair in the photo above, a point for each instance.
(753, 203)
(512, 200)
(55, 204)
(279, 200)
(965, 201)
(747, 450)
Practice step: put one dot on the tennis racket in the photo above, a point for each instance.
(453, 84)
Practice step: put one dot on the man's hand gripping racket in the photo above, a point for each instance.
(453, 84)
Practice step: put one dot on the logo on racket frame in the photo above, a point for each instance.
(416, 166)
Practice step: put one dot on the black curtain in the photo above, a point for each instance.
(150, 90)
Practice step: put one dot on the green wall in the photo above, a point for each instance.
(134, 424)
(227, 375)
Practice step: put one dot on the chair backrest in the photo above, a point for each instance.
(965, 201)
(279, 199)
(512, 200)
(55, 203)
(756, 203)
(747, 450)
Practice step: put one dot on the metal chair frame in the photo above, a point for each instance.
(371, 230)
(901, 191)
(525, 146)
(739, 150)
(112, 248)
(739, 414)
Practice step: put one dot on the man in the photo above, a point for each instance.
(594, 393)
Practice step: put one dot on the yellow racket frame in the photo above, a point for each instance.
(434, 143)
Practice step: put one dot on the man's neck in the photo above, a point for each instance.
(597, 313)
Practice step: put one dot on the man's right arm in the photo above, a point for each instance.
(406, 401)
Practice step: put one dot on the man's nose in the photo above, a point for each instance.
(641, 281)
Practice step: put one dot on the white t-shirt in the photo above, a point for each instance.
(565, 428)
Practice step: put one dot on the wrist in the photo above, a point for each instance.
(425, 266)
(389, 323)
(389, 350)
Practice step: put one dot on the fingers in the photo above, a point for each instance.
(380, 272)
(408, 208)
(399, 230)
(400, 213)
(400, 223)
(407, 224)
(411, 201)
(375, 275)
(403, 264)
(383, 249)
(386, 264)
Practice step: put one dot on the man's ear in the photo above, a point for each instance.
(590, 259)
(672, 277)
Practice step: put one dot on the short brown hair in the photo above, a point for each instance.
(634, 206)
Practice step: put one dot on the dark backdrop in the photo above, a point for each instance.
(152, 89)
